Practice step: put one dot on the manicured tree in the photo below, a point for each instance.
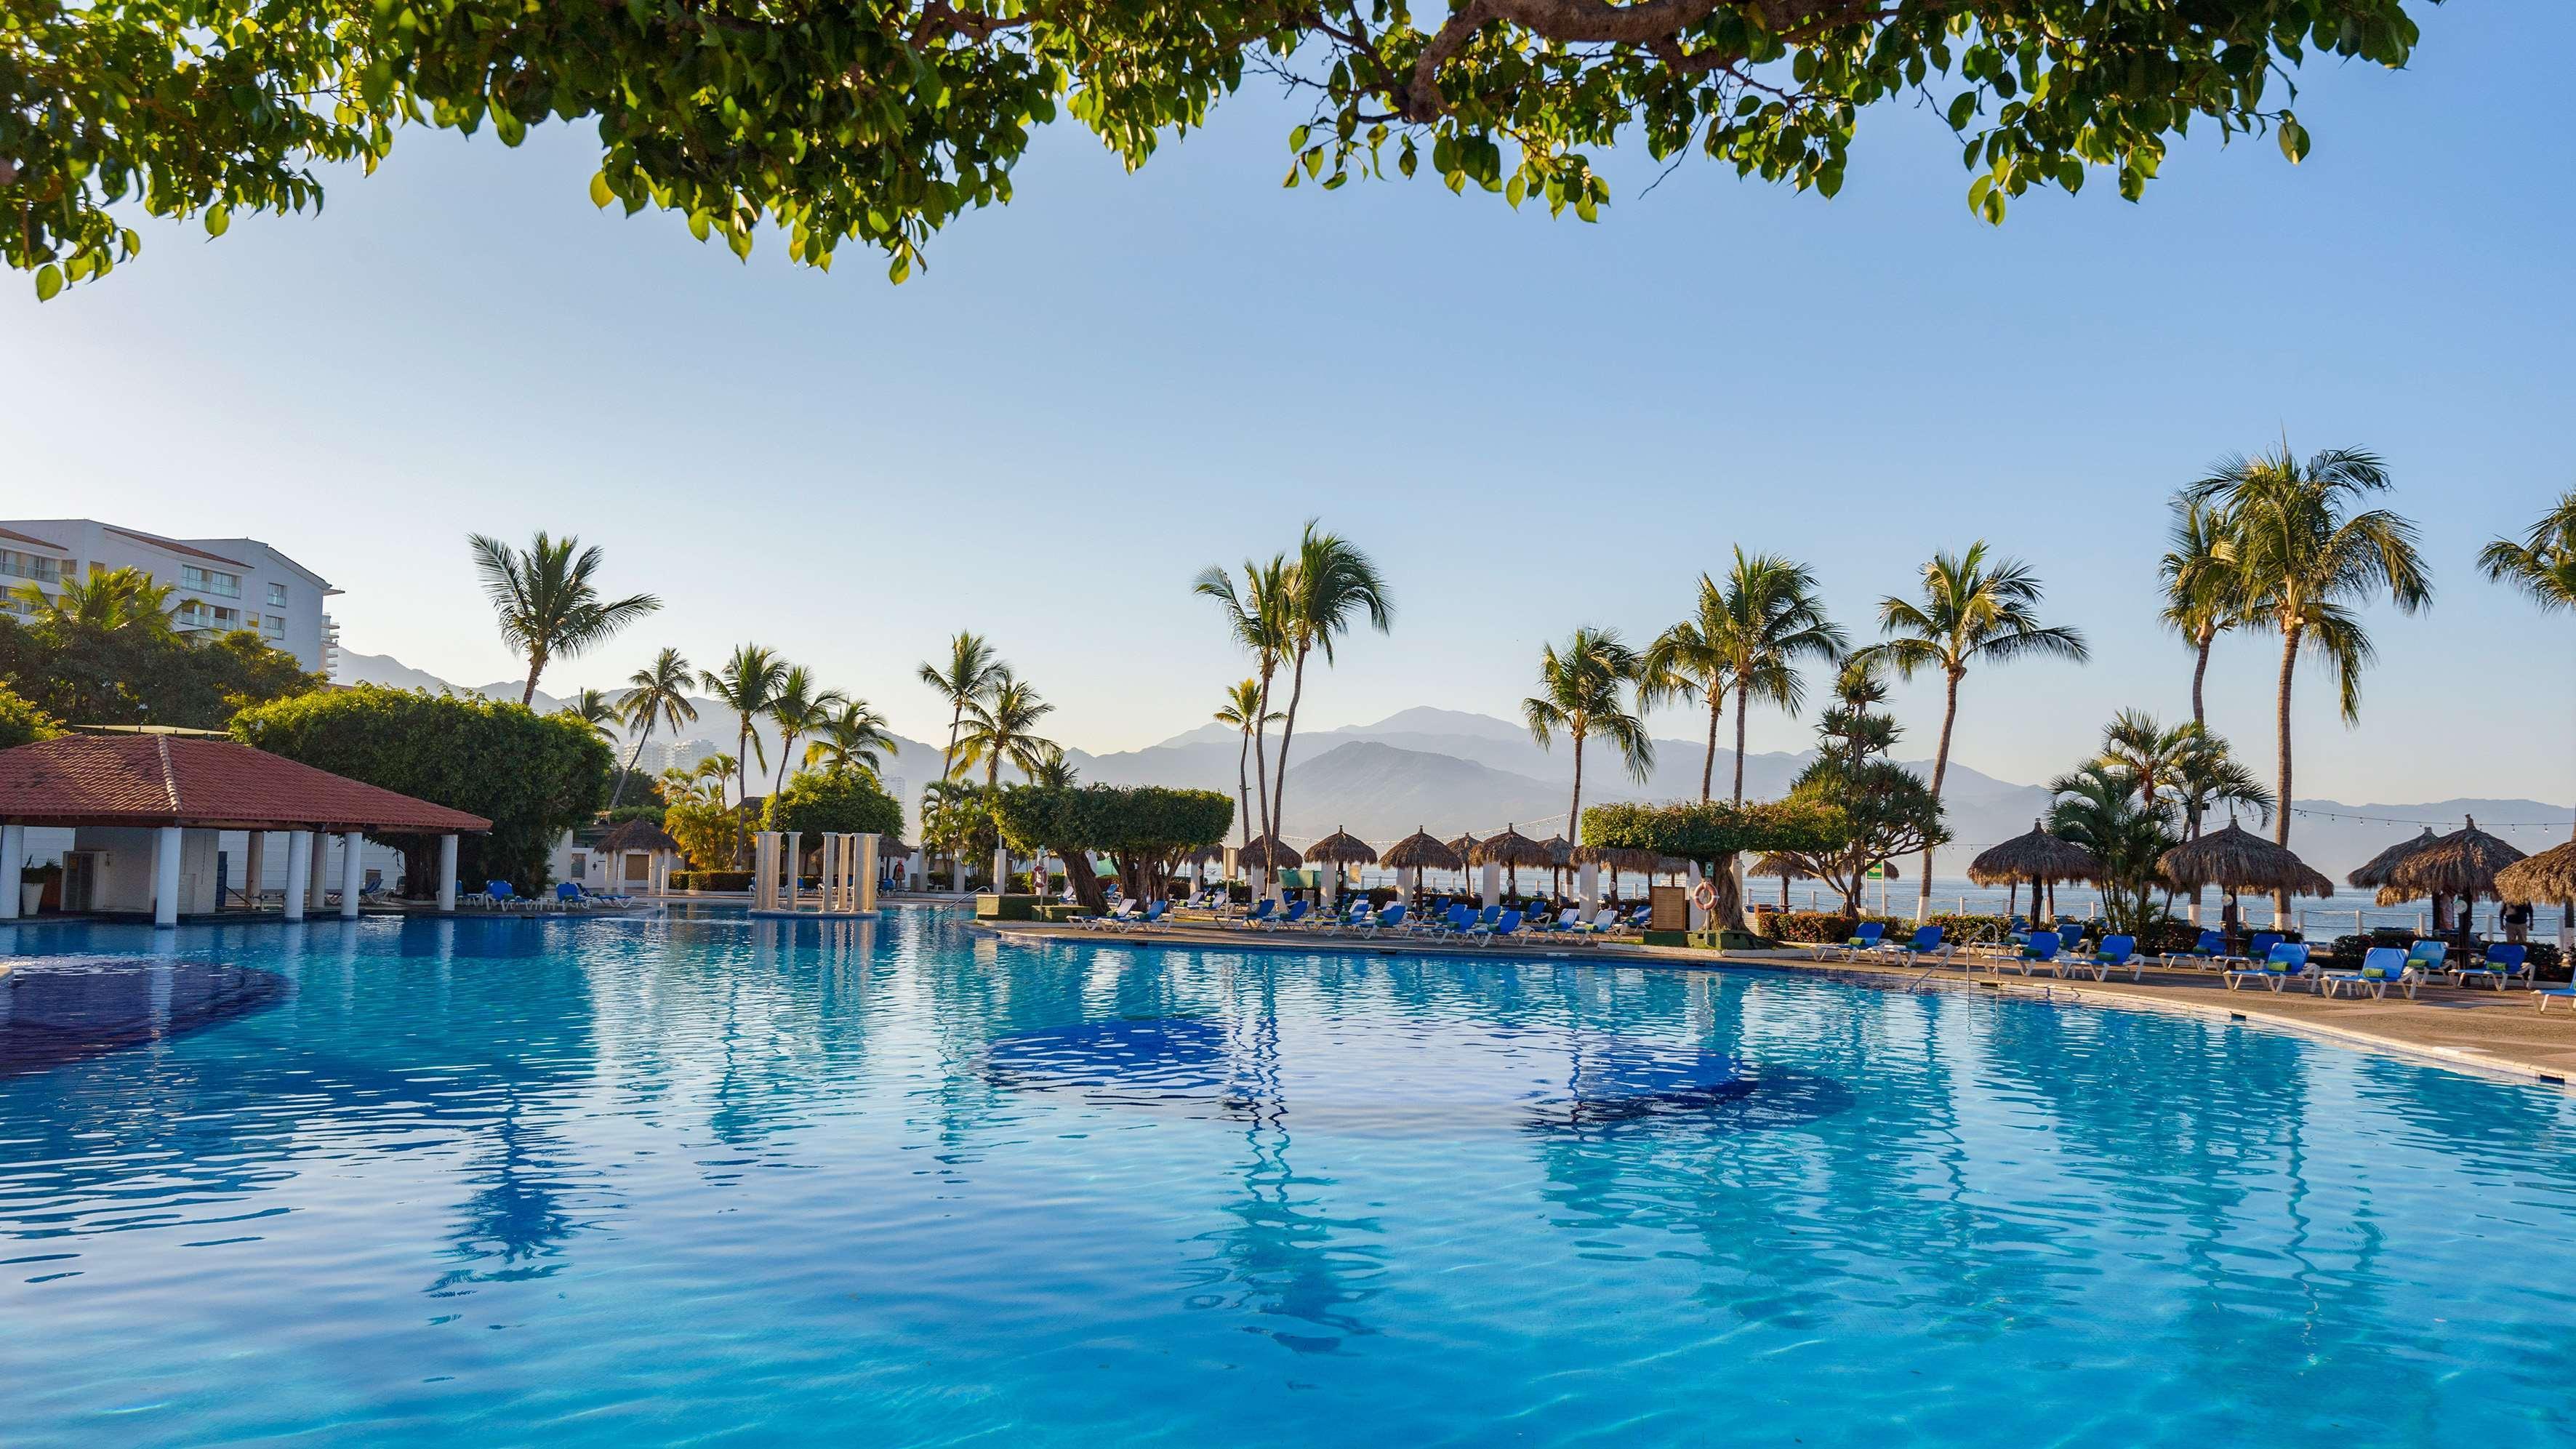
(658, 693)
(533, 776)
(1713, 834)
(547, 601)
(1331, 585)
(2303, 561)
(878, 122)
(836, 801)
(1583, 690)
(1146, 830)
(1971, 609)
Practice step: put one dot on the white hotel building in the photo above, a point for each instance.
(219, 584)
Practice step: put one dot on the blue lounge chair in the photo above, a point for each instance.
(2039, 952)
(1121, 916)
(1390, 919)
(1298, 910)
(1502, 925)
(1864, 937)
(2501, 964)
(1260, 911)
(2257, 950)
(2209, 949)
(2287, 962)
(1926, 942)
(1152, 915)
(2114, 953)
(2426, 958)
(2381, 968)
(498, 892)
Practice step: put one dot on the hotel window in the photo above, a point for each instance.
(274, 626)
(209, 581)
(29, 566)
(277, 596)
(227, 618)
(192, 615)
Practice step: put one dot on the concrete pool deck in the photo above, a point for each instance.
(2497, 1032)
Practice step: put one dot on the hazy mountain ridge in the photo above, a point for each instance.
(1449, 771)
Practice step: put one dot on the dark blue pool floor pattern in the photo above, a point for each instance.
(731, 1182)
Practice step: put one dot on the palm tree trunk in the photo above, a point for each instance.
(1574, 812)
(536, 666)
(2281, 727)
(1261, 744)
(1287, 731)
(618, 791)
(1708, 767)
(1742, 694)
(786, 748)
(1940, 768)
(2199, 672)
(1243, 784)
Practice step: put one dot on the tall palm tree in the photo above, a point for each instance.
(798, 708)
(850, 737)
(1001, 729)
(658, 693)
(2207, 775)
(1747, 636)
(2203, 597)
(592, 708)
(746, 684)
(2543, 565)
(546, 600)
(107, 602)
(1242, 710)
(1971, 608)
(1256, 615)
(2304, 561)
(965, 678)
(1581, 692)
(1331, 585)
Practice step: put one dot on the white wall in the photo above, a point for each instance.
(89, 541)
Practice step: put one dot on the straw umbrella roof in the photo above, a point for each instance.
(2375, 871)
(1509, 848)
(1620, 857)
(1780, 865)
(1560, 851)
(2541, 879)
(1461, 846)
(2235, 859)
(628, 835)
(1203, 853)
(1272, 853)
(2462, 863)
(1421, 851)
(2037, 855)
(1342, 848)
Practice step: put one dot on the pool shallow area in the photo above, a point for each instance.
(885, 1182)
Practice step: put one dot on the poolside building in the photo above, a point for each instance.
(145, 813)
(219, 584)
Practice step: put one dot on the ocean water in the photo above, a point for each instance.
(720, 1181)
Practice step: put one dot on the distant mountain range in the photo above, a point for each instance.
(1449, 771)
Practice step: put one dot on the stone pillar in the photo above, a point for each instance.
(13, 856)
(1331, 887)
(1690, 883)
(795, 857)
(867, 870)
(353, 873)
(1491, 887)
(165, 875)
(1001, 870)
(254, 865)
(299, 871)
(1587, 888)
(1405, 876)
(317, 890)
(446, 873)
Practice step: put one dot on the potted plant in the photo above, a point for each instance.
(38, 887)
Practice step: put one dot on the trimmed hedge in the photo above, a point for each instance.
(711, 880)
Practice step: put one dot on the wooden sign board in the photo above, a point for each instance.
(1668, 909)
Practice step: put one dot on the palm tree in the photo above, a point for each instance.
(1000, 729)
(103, 603)
(2543, 565)
(592, 708)
(849, 739)
(746, 685)
(1052, 770)
(1256, 614)
(1747, 636)
(1331, 585)
(2203, 597)
(545, 599)
(2112, 813)
(1242, 710)
(799, 709)
(2148, 751)
(1971, 609)
(2303, 562)
(658, 693)
(2207, 775)
(965, 678)
(1580, 687)
(1860, 682)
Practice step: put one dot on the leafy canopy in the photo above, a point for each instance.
(102, 651)
(845, 801)
(879, 121)
(1710, 831)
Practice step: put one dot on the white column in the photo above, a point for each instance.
(254, 865)
(299, 871)
(317, 875)
(1405, 876)
(1001, 870)
(1587, 887)
(353, 873)
(165, 875)
(795, 852)
(866, 871)
(447, 873)
(1690, 883)
(13, 856)
(1331, 885)
(1491, 887)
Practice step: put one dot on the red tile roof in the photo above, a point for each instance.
(174, 545)
(13, 534)
(210, 784)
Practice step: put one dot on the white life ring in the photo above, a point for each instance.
(1704, 895)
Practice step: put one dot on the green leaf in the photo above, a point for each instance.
(49, 280)
(218, 220)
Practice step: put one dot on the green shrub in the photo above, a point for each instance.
(711, 880)
(21, 722)
(833, 801)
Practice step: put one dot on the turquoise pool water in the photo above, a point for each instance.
(729, 1182)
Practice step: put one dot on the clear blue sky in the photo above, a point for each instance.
(1118, 379)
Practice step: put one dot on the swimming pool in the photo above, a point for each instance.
(886, 1183)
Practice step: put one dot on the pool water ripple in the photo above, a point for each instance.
(733, 1181)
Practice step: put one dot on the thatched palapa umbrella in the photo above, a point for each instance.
(1341, 849)
(1782, 866)
(1560, 859)
(2038, 857)
(1271, 853)
(2461, 864)
(2539, 880)
(1419, 852)
(1618, 858)
(1510, 850)
(2236, 860)
(1460, 847)
(2374, 872)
